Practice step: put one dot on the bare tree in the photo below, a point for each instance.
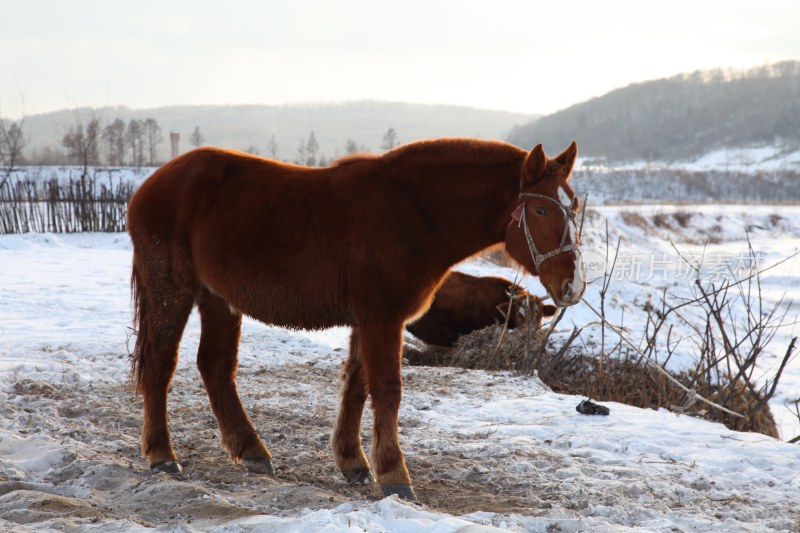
(272, 147)
(154, 137)
(301, 153)
(114, 138)
(389, 139)
(134, 136)
(47, 155)
(351, 147)
(312, 146)
(12, 141)
(82, 140)
(196, 138)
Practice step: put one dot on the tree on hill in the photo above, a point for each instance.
(134, 136)
(351, 147)
(114, 138)
(153, 136)
(196, 138)
(389, 139)
(301, 153)
(12, 141)
(272, 147)
(82, 140)
(312, 147)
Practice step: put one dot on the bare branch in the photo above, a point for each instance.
(658, 367)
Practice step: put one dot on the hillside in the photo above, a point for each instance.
(245, 126)
(679, 117)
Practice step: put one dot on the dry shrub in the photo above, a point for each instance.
(682, 218)
(631, 218)
(661, 220)
(479, 350)
(627, 380)
(633, 382)
(738, 398)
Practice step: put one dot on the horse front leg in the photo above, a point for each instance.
(380, 350)
(346, 436)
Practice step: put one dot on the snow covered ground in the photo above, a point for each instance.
(766, 158)
(486, 450)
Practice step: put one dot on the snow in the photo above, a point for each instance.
(108, 176)
(744, 159)
(488, 451)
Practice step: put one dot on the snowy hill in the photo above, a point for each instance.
(244, 126)
(679, 117)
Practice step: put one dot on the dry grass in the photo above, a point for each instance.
(682, 218)
(662, 220)
(626, 380)
(634, 219)
(479, 350)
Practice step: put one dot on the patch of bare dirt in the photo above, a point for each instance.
(103, 478)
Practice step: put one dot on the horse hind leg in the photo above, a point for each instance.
(346, 437)
(217, 361)
(162, 310)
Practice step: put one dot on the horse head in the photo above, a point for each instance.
(543, 232)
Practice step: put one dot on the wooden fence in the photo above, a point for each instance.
(63, 206)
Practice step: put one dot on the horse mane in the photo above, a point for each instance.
(447, 148)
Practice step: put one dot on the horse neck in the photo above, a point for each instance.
(469, 203)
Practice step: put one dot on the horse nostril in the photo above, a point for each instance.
(567, 291)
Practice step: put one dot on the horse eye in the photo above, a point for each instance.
(540, 211)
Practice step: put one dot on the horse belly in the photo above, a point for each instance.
(295, 310)
(289, 307)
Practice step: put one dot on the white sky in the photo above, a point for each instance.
(529, 56)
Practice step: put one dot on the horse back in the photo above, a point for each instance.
(288, 245)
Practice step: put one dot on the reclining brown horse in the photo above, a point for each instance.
(465, 303)
(364, 242)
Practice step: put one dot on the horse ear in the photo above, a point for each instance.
(535, 163)
(568, 156)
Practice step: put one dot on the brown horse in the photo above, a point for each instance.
(465, 303)
(364, 242)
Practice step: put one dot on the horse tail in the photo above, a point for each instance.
(139, 327)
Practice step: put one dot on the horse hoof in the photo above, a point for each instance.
(404, 492)
(259, 466)
(168, 467)
(359, 477)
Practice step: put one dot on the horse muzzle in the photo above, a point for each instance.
(571, 292)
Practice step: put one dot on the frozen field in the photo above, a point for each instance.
(485, 450)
